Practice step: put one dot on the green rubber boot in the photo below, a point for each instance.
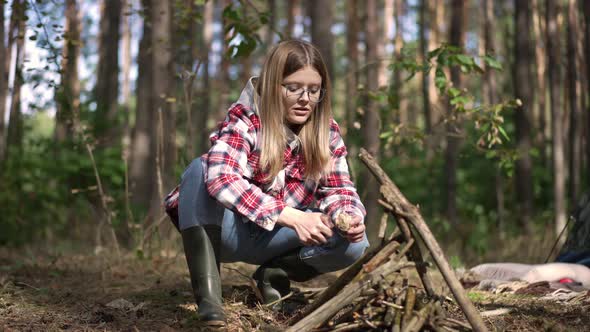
(200, 244)
(273, 278)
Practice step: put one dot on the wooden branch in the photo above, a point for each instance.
(382, 228)
(394, 197)
(414, 254)
(409, 308)
(416, 323)
(405, 249)
(381, 256)
(333, 289)
(350, 274)
(352, 291)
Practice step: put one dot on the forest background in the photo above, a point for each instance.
(477, 109)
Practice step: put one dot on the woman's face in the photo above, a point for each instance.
(301, 93)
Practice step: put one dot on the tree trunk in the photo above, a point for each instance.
(371, 125)
(293, 11)
(126, 56)
(322, 18)
(3, 80)
(522, 91)
(424, 14)
(107, 81)
(438, 33)
(223, 80)
(203, 115)
(246, 61)
(352, 29)
(575, 91)
(540, 84)
(491, 97)
(555, 84)
(142, 170)
(68, 96)
(434, 14)
(15, 125)
(398, 44)
(456, 38)
(7, 66)
(186, 54)
(388, 23)
(270, 36)
(587, 52)
(162, 90)
(123, 231)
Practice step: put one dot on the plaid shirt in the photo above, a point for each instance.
(235, 179)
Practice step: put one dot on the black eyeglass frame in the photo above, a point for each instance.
(322, 94)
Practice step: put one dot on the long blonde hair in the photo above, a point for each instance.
(283, 60)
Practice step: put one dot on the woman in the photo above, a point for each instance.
(270, 187)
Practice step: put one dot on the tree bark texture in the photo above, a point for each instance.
(456, 38)
(398, 84)
(161, 89)
(202, 117)
(352, 30)
(68, 97)
(587, 54)
(543, 134)
(107, 82)
(15, 121)
(491, 97)
(293, 11)
(388, 23)
(371, 125)
(3, 81)
(522, 90)
(12, 34)
(322, 18)
(126, 52)
(142, 170)
(574, 98)
(555, 83)
(426, 77)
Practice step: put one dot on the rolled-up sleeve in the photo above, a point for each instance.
(226, 164)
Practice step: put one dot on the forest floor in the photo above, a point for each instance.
(41, 292)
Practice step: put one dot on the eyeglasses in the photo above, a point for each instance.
(294, 93)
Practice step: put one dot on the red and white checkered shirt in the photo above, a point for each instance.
(235, 179)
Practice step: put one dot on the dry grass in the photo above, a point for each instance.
(41, 292)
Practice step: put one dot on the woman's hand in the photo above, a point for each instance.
(356, 232)
(312, 228)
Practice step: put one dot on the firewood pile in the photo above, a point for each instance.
(372, 294)
(393, 306)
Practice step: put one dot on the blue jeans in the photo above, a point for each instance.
(244, 241)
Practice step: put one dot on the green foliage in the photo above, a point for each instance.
(51, 186)
(418, 170)
(242, 29)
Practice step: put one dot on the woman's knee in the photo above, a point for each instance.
(355, 251)
(195, 169)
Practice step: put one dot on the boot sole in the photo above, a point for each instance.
(214, 323)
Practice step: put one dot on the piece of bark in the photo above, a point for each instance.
(343, 222)
(409, 307)
(401, 205)
(416, 323)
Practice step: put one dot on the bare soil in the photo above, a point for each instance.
(96, 292)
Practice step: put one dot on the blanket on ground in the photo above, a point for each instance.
(531, 273)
